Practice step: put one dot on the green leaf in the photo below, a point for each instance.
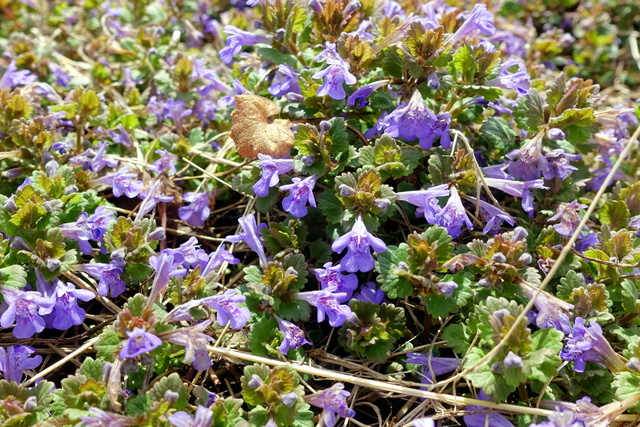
(529, 114)
(578, 124)
(626, 385)
(277, 57)
(544, 360)
(173, 383)
(264, 337)
(568, 283)
(497, 134)
(330, 206)
(393, 284)
(91, 368)
(392, 63)
(108, 343)
(615, 214)
(138, 405)
(463, 67)
(295, 310)
(13, 276)
(630, 297)
(457, 337)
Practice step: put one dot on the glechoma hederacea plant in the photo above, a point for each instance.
(292, 213)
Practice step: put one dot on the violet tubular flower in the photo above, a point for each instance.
(569, 218)
(88, 227)
(333, 401)
(108, 276)
(529, 162)
(425, 200)
(16, 359)
(123, 182)
(202, 418)
(152, 197)
(236, 40)
(326, 302)
(271, 171)
(285, 81)
(26, 309)
(331, 277)
(357, 242)
(140, 341)
(250, 236)
(12, 77)
(588, 344)
(300, 193)
(413, 121)
(167, 161)
(226, 306)
(194, 341)
(293, 336)
(453, 216)
(358, 98)
(485, 416)
(66, 312)
(334, 77)
(198, 211)
(479, 20)
(433, 365)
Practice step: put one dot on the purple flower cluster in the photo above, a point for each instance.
(414, 120)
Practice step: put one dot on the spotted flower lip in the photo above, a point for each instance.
(569, 218)
(358, 241)
(293, 336)
(140, 341)
(333, 401)
(300, 193)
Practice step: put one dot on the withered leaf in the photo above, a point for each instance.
(253, 132)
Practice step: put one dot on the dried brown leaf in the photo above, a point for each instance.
(254, 133)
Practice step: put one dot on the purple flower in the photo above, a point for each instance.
(15, 359)
(102, 418)
(123, 182)
(194, 341)
(453, 215)
(358, 241)
(151, 198)
(424, 422)
(88, 227)
(108, 276)
(480, 20)
(519, 80)
(217, 258)
(198, 210)
(335, 76)
(300, 193)
(590, 345)
(333, 401)
(166, 267)
(63, 79)
(140, 341)
(425, 200)
(555, 134)
(518, 189)
(120, 135)
(332, 277)
(326, 301)
(271, 171)
(66, 312)
(25, 308)
(569, 218)
(493, 215)
(229, 100)
(12, 77)
(202, 418)
(359, 97)
(285, 81)
(205, 109)
(226, 306)
(529, 162)
(293, 336)
(552, 311)
(433, 365)
(485, 418)
(167, 160)
(235, 40)
(370, 292)
(250, 236)
(176, 111)
(559, 165)
(413, 121)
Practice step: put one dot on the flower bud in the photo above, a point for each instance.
(325, 126)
